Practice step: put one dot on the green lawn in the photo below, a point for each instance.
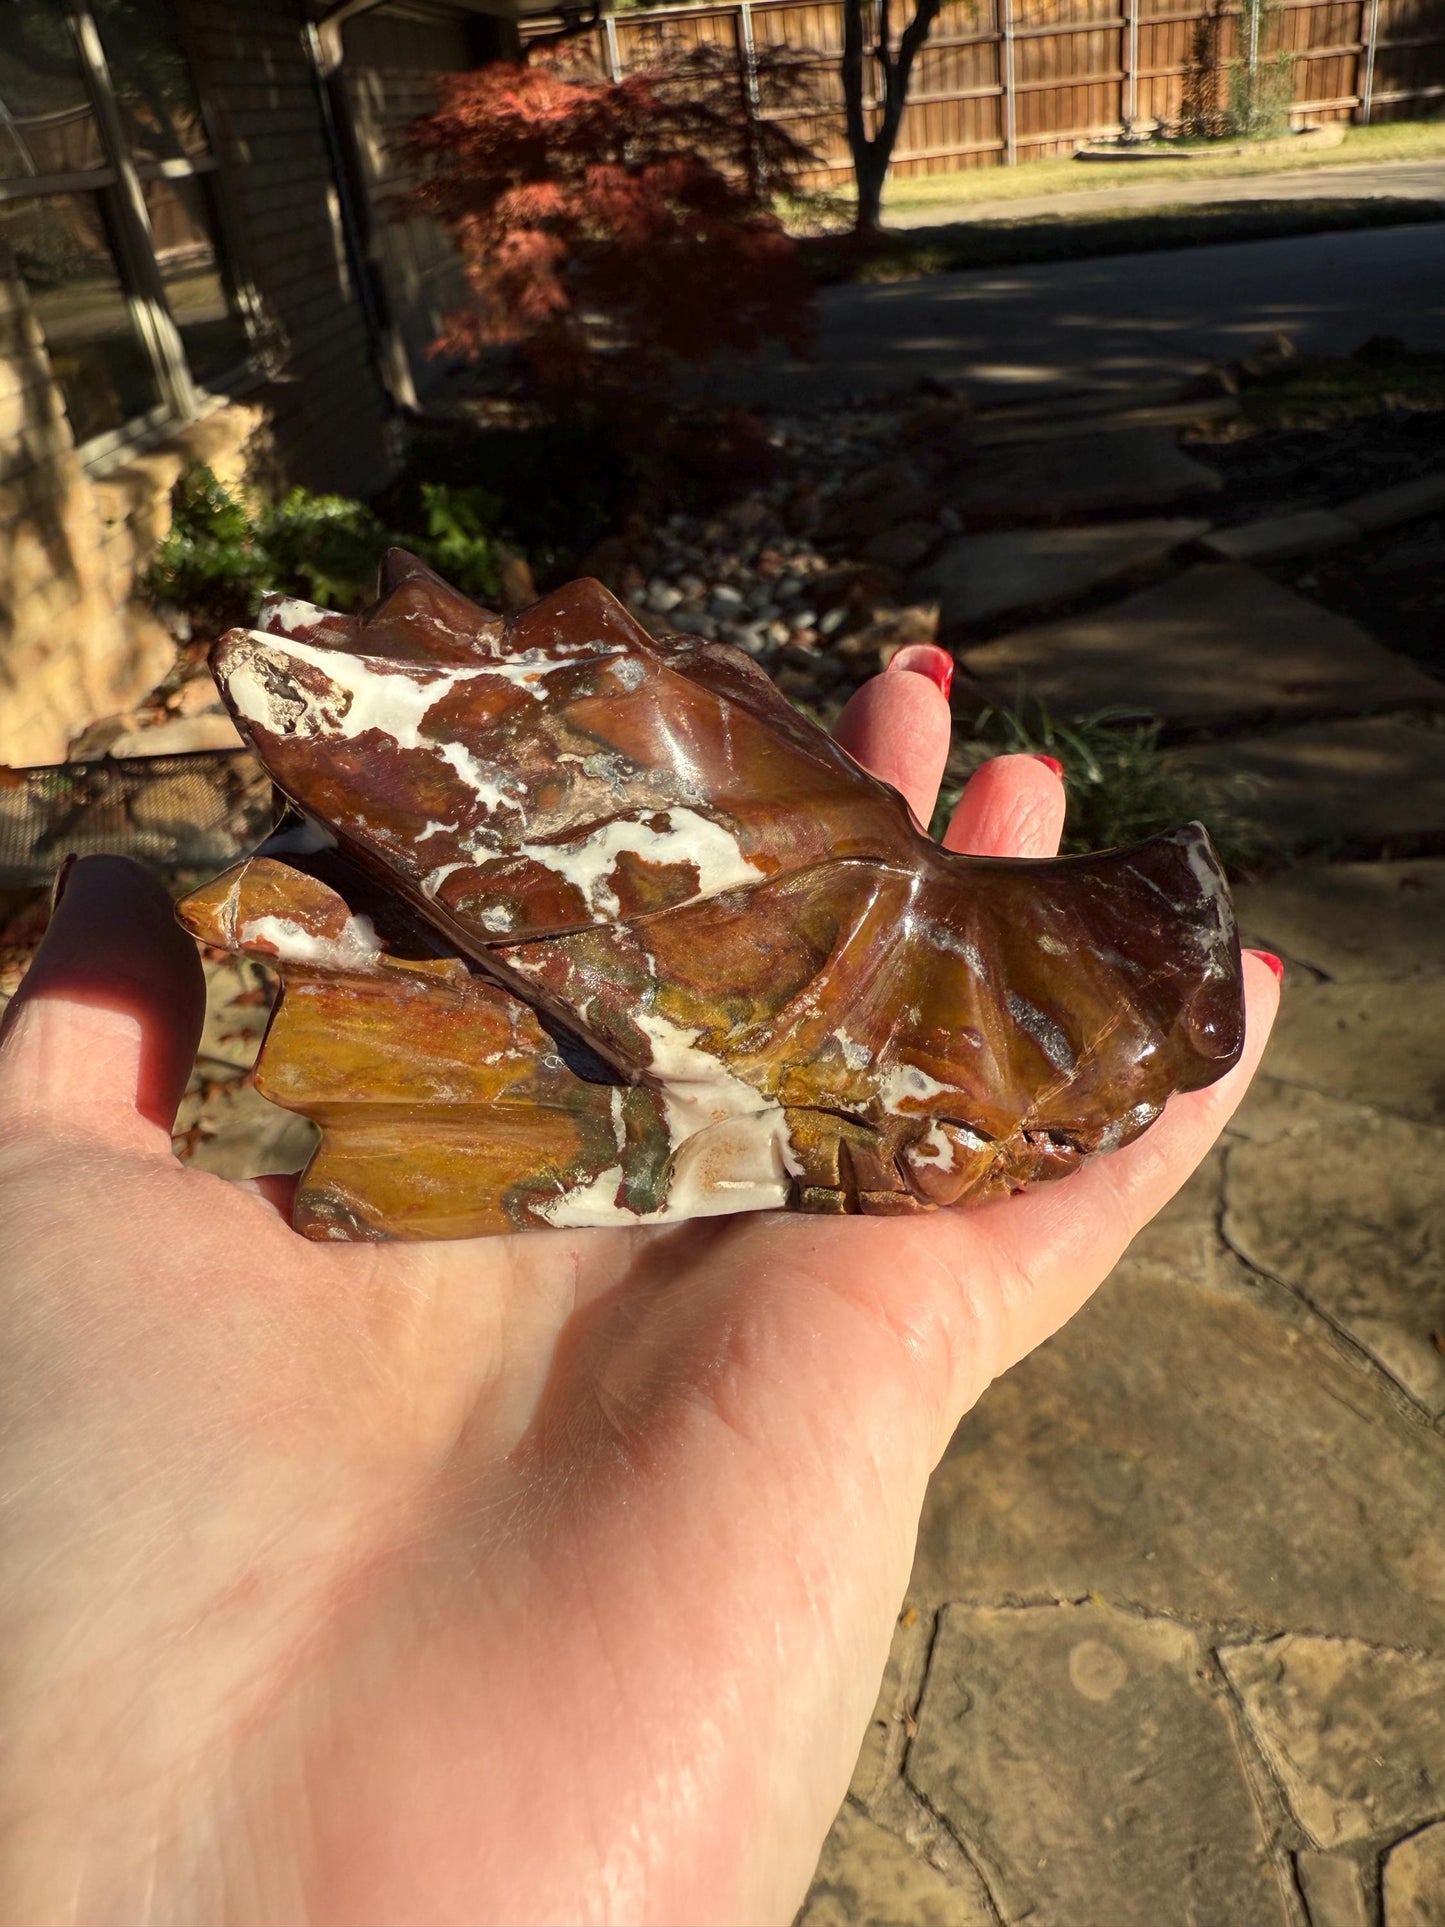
(904, 253)
(1389, 141)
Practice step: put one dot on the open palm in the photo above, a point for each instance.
(538, 1579)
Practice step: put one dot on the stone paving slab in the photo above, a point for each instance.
(868, 1878)
(1061, 419)
(1320, 1710)
(1349, 1210)
(1385, 508)
(1381, 1044)
(1275, 536)
(977, 577)
(182, 736)
(1339, 785)
(251, 1136)
(1352, 922)
(1191, 1450)
(880, 1759)
(1333, 1885)
(1212, 645)
(1414, 1883)
(1128, 469)
(1091, 1767)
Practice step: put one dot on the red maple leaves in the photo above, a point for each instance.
(613, 230)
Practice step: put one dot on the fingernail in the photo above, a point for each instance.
(62, 877)
(926, 659)
(1051, 762)
(1268, 957)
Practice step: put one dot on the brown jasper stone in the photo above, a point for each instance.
(581, 926)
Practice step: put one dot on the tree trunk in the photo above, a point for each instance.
(859, 145)
(871, 157)
(870, 171)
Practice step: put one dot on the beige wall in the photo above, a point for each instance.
(75, 641)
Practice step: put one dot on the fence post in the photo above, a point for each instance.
(1010, 130)
(747, 48)
(609, 36)
(1131, 61)
(1372, 35)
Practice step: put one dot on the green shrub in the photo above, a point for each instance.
(210, 553)
(461, 541)
(325, 547)
(224, 551)
(553, 487)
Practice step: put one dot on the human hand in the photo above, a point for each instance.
(537, 1579)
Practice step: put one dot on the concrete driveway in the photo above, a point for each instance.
(1127, 323)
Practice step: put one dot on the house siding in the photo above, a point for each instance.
(328, 410)
(77, 641)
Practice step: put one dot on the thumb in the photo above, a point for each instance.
(101, 1035)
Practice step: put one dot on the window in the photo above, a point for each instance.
(110, 212)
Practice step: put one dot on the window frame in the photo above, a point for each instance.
(121, 178)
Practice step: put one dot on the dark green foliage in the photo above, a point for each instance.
(461, 539)
(223, 552)
(324, 546)
(554, 487)
(1319, 391)
(1261, 79)
(1260, 97)
(211, 550)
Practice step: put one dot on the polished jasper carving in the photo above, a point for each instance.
(579, 926)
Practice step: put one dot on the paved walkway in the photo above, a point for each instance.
(1125, 324)
(1174, 1650)
(1173, 1653)
(1394, 180)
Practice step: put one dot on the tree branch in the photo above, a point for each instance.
(885, 47)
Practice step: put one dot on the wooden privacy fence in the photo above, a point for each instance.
(1000, 81)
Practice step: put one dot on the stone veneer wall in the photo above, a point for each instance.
(75, 644)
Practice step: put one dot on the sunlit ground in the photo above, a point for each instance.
(1389, 141)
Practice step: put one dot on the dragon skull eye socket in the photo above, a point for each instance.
(774, 991)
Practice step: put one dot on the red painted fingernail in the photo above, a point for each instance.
(926, 659)
(1051, 762)
(1268, 957)
(62, 877)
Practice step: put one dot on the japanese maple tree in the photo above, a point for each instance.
(612, 230)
